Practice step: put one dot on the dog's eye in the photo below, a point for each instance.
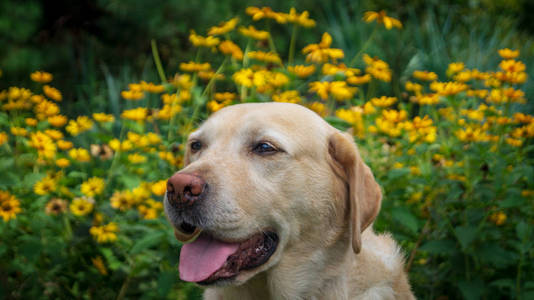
(264, 148)
(195, 146)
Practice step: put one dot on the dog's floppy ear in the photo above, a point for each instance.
(363, 191)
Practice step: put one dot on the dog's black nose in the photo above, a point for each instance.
(184, 189)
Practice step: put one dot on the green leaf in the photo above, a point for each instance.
(523, 231)
(445, 247)
(77, 174)
(406, 218)
(113, 262)
(504, 283)
(465, 235)
(165, 282)
(512, 202)
(396, 173)
(471, 290)
(494, 254)
(147, 242)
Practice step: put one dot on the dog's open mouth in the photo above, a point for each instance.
(208, 260)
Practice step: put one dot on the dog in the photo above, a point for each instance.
(275, 203)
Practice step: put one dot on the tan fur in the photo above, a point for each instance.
(317, 195)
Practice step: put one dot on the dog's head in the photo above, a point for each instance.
(265, 186)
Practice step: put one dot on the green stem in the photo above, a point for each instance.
(157, 61)
(124, 286)
(292, 44)
(212, 80)
(365, 45)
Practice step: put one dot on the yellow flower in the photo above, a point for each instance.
(3, 138)
(510, 77)
(54, 134)
(463, 76)
(64, 145)
(318, 108)
(249, 78)
(45, 186)
(472, 134)
(106, 233)
(448, 88)
(92, 187)
(57, 120)
(214, 106)
(269, 57)
(378, 68)
(31, 122)
(354, 117)
(52, 93)
(158, 188)
(514, 142)
(413, 87)
(224, 27)
(132, 95)
(135, 114)
(151, 87)
(368, 108)
(62, 162)
(333, 69)
(381, 17)
(122, 200)
(81, 206)
(168, 111)
(9, 206)
(136, 158)
(194, 67)
(454, 68)
(478, 93)
(508, 53)
(150, 209)
(513, 66)
(426, 99)
(230, 48)
(265, 12)
(287, 96)
(356, 80)
(383, 101)
(425, 75)
(102, 117)
(226, 96)
(41, 77)
(302, 71)
(322, 53)
(43, 144)
(82, 124)
(46, 109)
(98, 263)
(80, 154)
(337, 89)
(116, 145)
(253, 33)
(200, 41)
(498, 218)
(18, 131)
(506, 95)
(301, 19)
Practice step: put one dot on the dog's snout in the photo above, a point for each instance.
(184, 189)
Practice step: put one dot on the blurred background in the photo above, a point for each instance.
(99, 46)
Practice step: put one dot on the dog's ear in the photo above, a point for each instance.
(364, 192)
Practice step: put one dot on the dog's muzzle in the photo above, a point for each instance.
(183, 190)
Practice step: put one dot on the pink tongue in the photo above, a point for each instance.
(204, 256)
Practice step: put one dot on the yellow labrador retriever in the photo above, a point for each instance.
(274, 203)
